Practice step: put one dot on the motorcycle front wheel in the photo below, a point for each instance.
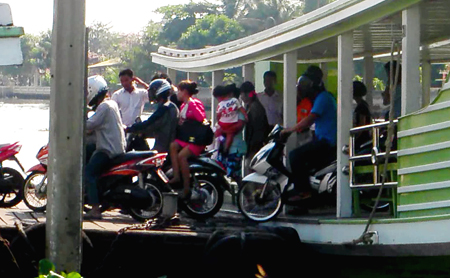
(37, 201)
(12, 193)
(260, 202)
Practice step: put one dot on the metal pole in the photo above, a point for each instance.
(217, 79)
(411, 88)
(368, 79)
(248, 72)
(173, 75)
(290, 96)
(426, 76)
(193, 76)
(345, 76)
(67, 107)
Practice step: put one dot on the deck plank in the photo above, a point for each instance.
(39, 216)
(8, 217)
(25, 217)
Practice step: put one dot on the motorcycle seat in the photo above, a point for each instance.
(132, 156)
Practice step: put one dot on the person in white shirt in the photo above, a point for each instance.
(110, 138)
(271, 100)
(130, 99)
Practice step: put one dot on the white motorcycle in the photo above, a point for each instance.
(261, 196)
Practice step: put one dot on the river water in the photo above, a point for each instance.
(27, 122)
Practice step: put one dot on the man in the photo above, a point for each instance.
(271, 100)
(107, 126)
(162, 124)
(130, 99)
(323, 148)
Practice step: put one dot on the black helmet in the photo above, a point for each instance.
(159, 88)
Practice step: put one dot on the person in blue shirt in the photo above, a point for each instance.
(322, 149)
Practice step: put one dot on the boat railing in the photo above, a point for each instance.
(373, 155)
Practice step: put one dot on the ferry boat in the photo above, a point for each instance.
(334, 37)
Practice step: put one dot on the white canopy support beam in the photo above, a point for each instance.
(345, 77)
(217, 79)
(248, 72)
(173, 76)
(67, 117)
(368, 79)
(193, 76)
(426, 76)
(411, 88)
(290, 96)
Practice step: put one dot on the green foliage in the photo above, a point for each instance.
(178, 18)
(378, 84)
(311, 5)
(47, 270)
(211, 30)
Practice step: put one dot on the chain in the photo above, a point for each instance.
(151, 224)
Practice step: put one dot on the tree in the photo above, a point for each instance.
(103, 41)
(178, 18)
(311, 5)
(211, 30)
(257, 15)
(264, 14)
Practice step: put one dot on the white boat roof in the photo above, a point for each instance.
(376, 23)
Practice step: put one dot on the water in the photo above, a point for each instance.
(27, 122)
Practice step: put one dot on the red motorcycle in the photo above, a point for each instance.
(11, 181)
(35, 186)
(125, 185)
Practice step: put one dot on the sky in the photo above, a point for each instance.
(125, 16)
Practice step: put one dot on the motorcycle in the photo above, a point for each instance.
(263, 192)
(35, 186)
(136, 182)
(11, 181)
(124, 185)
(208, 183)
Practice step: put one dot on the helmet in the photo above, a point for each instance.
(96, 85)
(159, 86)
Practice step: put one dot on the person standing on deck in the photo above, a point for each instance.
(271, 100)
(131, 101)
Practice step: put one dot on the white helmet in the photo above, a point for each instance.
(96, 85)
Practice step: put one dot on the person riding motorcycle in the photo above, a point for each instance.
(162, 124)
(322, 149)
(107, 126)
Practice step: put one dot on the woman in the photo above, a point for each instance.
(361, 115)
(257, 128)
(180, 151)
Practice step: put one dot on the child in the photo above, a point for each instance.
(228, 112)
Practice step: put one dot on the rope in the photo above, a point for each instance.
(365, 237)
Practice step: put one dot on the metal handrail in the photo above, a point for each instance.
(375, 156)
(371, 126)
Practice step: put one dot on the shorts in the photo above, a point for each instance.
(226, 126)
(195, 149)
